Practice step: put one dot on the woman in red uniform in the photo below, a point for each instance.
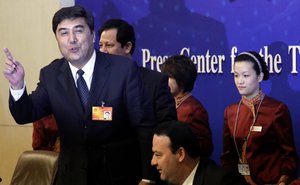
(182, 76)
(258, 136)
(45, 134)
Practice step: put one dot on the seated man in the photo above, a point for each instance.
(176, 155)
(45, 134)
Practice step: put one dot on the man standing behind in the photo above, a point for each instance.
(117, 37)
(77, 89)
(176, 155)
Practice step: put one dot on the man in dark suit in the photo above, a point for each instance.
(94, 150)
(176, 155)
(117, 37)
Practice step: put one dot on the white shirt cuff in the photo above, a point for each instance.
(16, 94)
(148, 181)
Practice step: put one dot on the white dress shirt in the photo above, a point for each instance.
(189, 180)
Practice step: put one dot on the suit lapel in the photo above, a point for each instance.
(199, 176)
(66, 80)
(99, 81)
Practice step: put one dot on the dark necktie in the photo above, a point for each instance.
(82, 87)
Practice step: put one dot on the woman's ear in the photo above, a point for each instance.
(260, 77)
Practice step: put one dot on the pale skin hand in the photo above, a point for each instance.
(13, 71)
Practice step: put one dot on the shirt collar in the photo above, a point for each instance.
(88, 69)
(189, 180)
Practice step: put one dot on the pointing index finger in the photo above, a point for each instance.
(9, 55)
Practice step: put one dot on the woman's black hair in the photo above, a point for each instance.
(259, 64)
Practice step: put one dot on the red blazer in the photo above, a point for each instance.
(45, 134)
(270, 152)
(296, 182)
(193, 113)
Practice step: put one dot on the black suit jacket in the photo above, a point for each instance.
(157, 89)
(208, 173)
(87, 146)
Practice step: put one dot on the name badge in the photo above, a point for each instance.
(244, 169)
(257, 128)
(102, 113)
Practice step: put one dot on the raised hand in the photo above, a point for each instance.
(13, 71)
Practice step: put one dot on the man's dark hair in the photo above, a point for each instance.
(125, 32)
(182, 69)
(72, 12)
(180, 135)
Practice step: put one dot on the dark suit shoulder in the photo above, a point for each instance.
(120, 61)
(55, 65)
(153, 76)
(210, 173)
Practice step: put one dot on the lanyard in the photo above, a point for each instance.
(235, 125)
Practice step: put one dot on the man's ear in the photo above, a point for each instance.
(181, 154)
(128, 47)
(94, 36)
(261, 77)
